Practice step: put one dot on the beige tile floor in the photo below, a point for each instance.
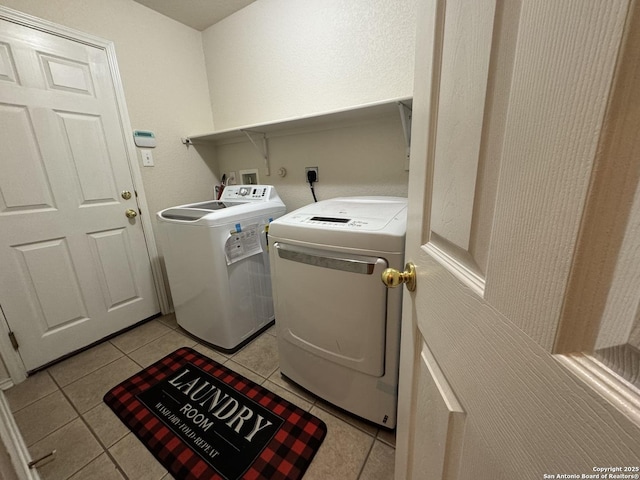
(61, 408)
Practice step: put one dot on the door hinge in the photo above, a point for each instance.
(14, 341)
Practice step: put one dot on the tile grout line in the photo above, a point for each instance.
(315, 401)
(319, 405)
(128, 355)
(95, 436)
(366, 459)
(53, 431)
(386, 442)
(61, 387)
(145, 344)
(13, 412)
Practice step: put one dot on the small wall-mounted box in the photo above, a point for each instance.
(144, 138)
(249, 177)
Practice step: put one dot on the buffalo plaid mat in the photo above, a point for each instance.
(204, 421)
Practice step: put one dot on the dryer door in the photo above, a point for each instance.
(332, 305)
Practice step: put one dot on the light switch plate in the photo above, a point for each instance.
(147, 158)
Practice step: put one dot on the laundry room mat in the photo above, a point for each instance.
(203, 421)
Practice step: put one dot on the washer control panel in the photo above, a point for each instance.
(247, 192)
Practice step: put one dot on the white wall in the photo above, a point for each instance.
(278, 59)
(359, 159)
(161, 63)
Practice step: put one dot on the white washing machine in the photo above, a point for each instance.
(216, 257)
(338, 326)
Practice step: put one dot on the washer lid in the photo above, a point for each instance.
(347, 221)
(237, 202)
(195, 211)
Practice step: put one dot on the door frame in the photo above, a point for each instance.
(12, 439)
(11, 358)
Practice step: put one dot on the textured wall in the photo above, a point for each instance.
(362, 159)
(277, 59)
(161, 63)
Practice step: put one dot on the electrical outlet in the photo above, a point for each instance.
(310, 169)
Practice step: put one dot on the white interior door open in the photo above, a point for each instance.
(524, 208)
(74, 268)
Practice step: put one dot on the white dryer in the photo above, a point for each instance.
(216, 258)
(338, 326)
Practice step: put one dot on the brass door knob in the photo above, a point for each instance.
(130, 213)
(392, 277)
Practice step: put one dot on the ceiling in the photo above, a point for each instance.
(198, 14)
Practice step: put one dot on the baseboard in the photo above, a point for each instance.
(6, 384)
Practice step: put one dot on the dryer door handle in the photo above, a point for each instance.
(333, 260)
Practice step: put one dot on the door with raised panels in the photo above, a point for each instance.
(74, 267)
(524, 213)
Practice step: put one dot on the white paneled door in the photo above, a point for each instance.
(520, 352)
(74, 268)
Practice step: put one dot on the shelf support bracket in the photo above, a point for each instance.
(405, 118)
(262, 150)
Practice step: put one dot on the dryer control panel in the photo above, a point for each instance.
(335, 222)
